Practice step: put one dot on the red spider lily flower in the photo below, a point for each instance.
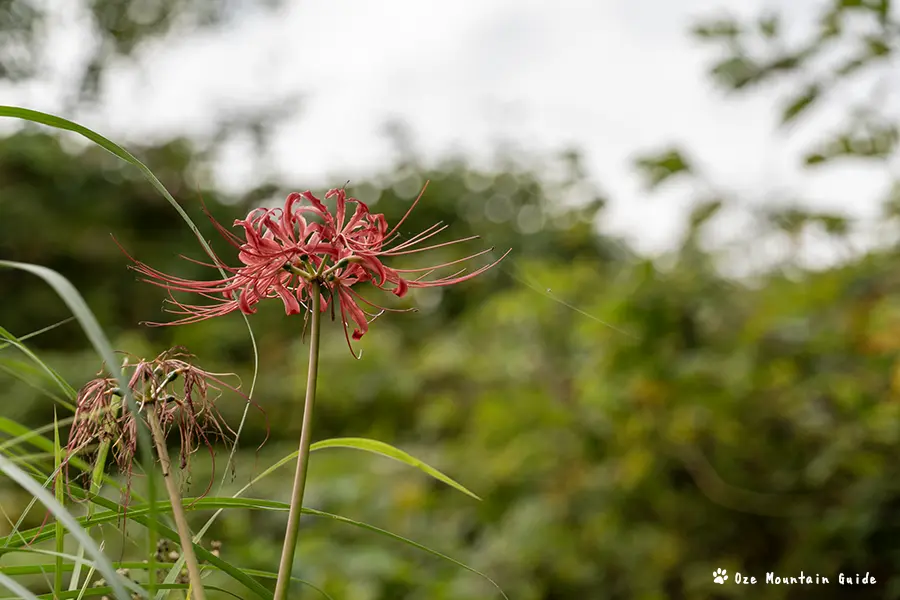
(282, 254)
(181, 393)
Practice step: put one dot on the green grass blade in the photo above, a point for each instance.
(20, 570)
(20, 370)
(104, 591)
(32, 436)
(91, 327)
(87, 580)
(31, 458)
(59, 488)
(46, 567)
(101, 344)
(60, 123)
(400, 538)
(37, 569)
(33, 488)
(22, 338)
(367, 445)
(15, 529)
(17, 343)
(41, 570)
(21, 434)
(110, 146)
(67, 390)
(137, 513)
(271, 505)
(386, 450)
(98, 474)
(14, 586)
(76, 569)
(273, 575)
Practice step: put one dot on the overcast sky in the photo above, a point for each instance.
(613, 78)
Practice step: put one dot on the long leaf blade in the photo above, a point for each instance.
(138, 514)
(59, 490)
(14, 586)
(42, 118)
(35, 489)
(57, 379)
(67, 292)
(386, 450)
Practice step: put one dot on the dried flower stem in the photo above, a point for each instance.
(184, 532)
(293, 525)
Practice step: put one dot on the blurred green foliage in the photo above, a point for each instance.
(844, 46)
(112, 30)
(632, 423)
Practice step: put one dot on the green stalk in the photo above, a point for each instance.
(184, 531)
(293, 524)
(61, 498)
(99, 469)
(96, 484)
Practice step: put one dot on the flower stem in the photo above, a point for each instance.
(293, 525)
(184, 532)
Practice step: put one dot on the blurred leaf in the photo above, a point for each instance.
(837, 225)
(883, 9)
(770, 26)
(790, 219)
(717, 28)
(703, 212)
(117, 30)
(852, 65)
(663, 166)
(873, 140)
(736, 72)
(878, 46)
(20, 28)
(815, 159)
(890, 205)
(800, 103)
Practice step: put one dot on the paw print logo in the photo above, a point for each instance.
(719, 576)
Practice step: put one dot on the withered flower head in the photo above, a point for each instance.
(183, 395)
